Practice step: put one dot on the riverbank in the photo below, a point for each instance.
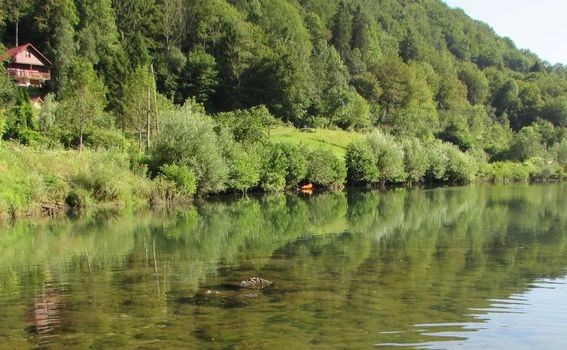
(38, 182)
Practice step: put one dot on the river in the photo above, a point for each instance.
(477, 267)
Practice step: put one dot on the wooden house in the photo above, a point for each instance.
(27, 66)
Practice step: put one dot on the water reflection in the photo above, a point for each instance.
(443, 268)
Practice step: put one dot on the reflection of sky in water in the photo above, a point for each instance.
(532, 320)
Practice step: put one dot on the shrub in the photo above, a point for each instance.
(389, 157)
(505, 172)
(461, 167)
(164, 192)
(438, 161)
(248, 126)
(361, 163)
(544, 170)
(245, 167)
(275, 167)
(324, 168)
(560, 153)
(416, 161)
(105, 138)
(296, 164)
(188, 138)
(184, 179)
(78, 199)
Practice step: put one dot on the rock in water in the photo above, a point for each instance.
(255, 283)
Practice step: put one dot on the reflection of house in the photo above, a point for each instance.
(27, 66)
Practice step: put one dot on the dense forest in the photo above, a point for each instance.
(135, 74)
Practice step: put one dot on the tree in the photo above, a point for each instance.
(57, 19)
(409, 49)
(476, 83)
(83, 98)
(138, 105)
(16, 9)
(507, 99)
(342, 30)
(200, 76)
(555, 110)
(97, 32)
(527, 143)
(172, 21)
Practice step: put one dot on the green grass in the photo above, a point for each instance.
(32, 180)
(336, 140)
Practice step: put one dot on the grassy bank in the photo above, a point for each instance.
(35, 181)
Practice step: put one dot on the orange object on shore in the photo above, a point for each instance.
(309, 186)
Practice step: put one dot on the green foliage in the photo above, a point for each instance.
(284, 166)
(476, 83)
(200, 76)
(182, 176)
(542, 169)
(560, 152)
(555, 111)
(296, 164)
(361, 163)
(505, 172)
(33, 180)
(462, 168)
(245, 169)
(21, 121)
(137, 103)
(415, 70)
(248, 126)
(416, 161)
(187, 137)
(527, 143)
(84, 101)
(324, 168)
(275, 169)
(389, 157)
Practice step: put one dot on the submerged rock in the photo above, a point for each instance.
(254, 283)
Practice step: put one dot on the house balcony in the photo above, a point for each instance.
(28, 74)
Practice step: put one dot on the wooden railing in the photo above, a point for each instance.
(26, 73)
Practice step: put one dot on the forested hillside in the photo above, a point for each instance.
(415, 69)
(415, 66)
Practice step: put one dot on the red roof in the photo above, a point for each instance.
(16, 50)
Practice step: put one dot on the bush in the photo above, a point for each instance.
(245, 168)
(544, 170)
(78, 199)
(325, 169)
(506, 172)
(105, 138)
(275, 167)
(184, 179)
(296, 164)
(361, 163)
(438, 161)
(560, 153)
(165, 192)
(389, 157)
(34, 179)
(188, 138)
(461, 167)
(248, 126)
(416, 161)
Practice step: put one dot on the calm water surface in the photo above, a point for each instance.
(473, 267)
